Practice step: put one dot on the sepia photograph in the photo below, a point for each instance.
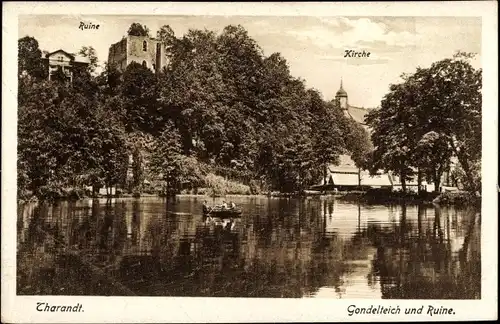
(306, 157)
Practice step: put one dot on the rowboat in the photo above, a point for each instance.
(223, 213)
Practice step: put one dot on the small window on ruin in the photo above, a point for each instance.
(154, 67)
(145, 46)
(144, 64)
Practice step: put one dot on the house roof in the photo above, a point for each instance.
(357, 114)
(60, 51)
(346, 165)
(375, 180)
(340, 179)
(82, 59)
(396, 181)
(73, 57)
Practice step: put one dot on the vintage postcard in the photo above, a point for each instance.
(256, 162)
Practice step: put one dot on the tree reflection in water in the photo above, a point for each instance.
(420, 263)
(279, 248)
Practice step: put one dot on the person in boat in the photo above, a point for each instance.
(206, 207)
(232, 205)
(224, 205)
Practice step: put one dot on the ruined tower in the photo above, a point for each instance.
(144, 50)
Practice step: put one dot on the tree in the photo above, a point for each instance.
(139, 93)
(30, 59)
(432, 116)
(167, 36)
(357, 143)
(433, 153)
(390, 134)
(137, 29)
(109, 80)
(140, 146)
(167, 157)
(450, 105)
(90, 53)
(328, 142)
(112, 153)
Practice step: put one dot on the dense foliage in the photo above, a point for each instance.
(219, 107)
(66, 139)
(137, 29)
(429, 120)
(30, 55)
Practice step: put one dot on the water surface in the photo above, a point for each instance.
(294, 248)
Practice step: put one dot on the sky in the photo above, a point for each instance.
(313, 46)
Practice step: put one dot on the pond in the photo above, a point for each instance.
(280, 247)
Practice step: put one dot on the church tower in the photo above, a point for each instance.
(341, 97)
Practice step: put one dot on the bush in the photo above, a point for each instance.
(219, 186)
(377, 192)
(119, 192)
(49, 192)
(460, 198)
(74, 193)
(386, 196)
(255, 188)
(24, 195)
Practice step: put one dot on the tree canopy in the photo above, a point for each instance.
(137, 29)
(429, 119)
(90, 53)
(30, 58)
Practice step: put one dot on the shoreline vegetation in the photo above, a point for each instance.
(225, 117)
(370, 197)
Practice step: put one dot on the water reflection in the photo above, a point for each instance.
(279, 248)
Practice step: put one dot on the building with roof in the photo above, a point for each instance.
(144, 50)
(347, 176)
(65, 62)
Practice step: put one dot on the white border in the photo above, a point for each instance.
(171, 309)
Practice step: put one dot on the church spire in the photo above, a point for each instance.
(341, 92)
(341, 95)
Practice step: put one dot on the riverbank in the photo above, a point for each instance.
(376, 197)
(372, 197)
